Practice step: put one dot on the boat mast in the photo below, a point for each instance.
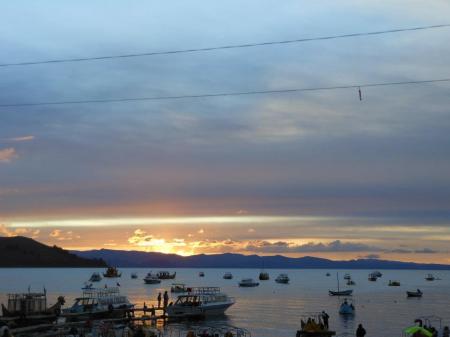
(337, 276)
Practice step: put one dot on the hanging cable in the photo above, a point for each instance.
(224, 94)
(233, 46)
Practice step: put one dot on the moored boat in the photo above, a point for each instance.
(228, 276)
(112, 272)
(151, 278)
(372, 277)
(95, 277)
(347, 277)
(30, 308)
(179, 288)
(377, 273)
(282, 278)
(201, 274)
(165, 275)
(340, 292)
(200, 302)
(430, 277)
(264, 276)
(248, 282)
(350, 282)
(134, 275)
(394, 283)
(417, 293)
(347, 308)
(98, 303)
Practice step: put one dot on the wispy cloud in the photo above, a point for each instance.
(7, 155)
(20, 139)
(310, 247)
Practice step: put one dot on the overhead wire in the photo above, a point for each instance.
(225, 94)
(231, 46)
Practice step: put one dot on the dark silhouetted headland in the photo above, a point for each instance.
(19, 251)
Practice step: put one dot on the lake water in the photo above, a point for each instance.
(270, 310)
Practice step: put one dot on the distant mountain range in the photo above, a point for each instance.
(19, 251)
(122, 258)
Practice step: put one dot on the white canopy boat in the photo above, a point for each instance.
(151, 279)
(200, 302)
(228, 276)
(98, 303)
(179, 288)
(282, 278)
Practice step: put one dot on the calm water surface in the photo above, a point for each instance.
(271, 309)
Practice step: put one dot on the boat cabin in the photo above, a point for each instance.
(200, 296)
(99, 297)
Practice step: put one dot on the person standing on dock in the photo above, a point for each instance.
(166, 299)
(159, 300)
(360, 332)
(325, 318)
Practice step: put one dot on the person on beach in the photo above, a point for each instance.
(325, 318)
(159, 300)
(166, 299)
(360, 332)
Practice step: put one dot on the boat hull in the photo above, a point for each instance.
(89, 315)
(340, 293)
(248, 285)
(218, 309)
(152, 281)
(413, 294)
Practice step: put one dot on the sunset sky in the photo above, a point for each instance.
(313, 173)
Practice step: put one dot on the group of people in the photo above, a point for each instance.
(165, 298)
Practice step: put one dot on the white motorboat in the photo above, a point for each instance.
(248, 282)
(200, 302)
(98, 303)
(282, 278)
(228, 276)
(151, 279)
(95, 277)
